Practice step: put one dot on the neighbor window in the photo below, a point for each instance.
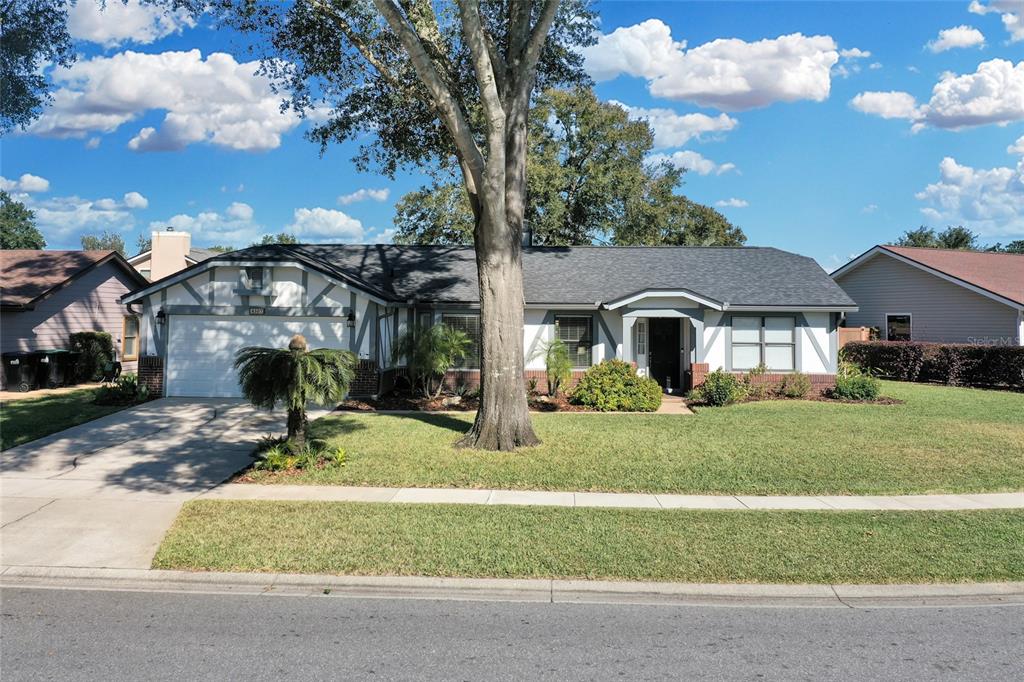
(254, 278)
(768, 340)
(470, 326)
(575, 332)
(130, 338)
(897, 327)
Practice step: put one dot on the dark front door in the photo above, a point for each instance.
(664, 353)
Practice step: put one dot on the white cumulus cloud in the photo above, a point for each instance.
(675, 130)
(993, 94)
(1010, 11)
(988, 200)
(727, 73)
(732, 202)
(957, 37)
(240, 211)
(62, 216)
(233, 226)
(365, 194)
(325, 224)
(1017, 147)
(115, 22)
(25, 184)
(692, 161)
(216, 100)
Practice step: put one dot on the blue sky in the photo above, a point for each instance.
(801, 137)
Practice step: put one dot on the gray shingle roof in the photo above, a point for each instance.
(739, 276)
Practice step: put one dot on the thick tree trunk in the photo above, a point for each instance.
(297, 424)
(503, 419)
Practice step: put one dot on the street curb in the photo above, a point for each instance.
(520, 590)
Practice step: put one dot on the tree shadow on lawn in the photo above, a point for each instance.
(341, 423)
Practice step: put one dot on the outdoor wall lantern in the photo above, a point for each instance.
(161, 316)
(350, 319)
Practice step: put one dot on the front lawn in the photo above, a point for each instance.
(31, 417)
(940, 440)
(551, 542)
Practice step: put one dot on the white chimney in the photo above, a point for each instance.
(168, 253)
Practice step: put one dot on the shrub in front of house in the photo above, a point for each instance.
(125, 391)
(855, 383)
(96, 349)
(954, 364)
(614, 386)
(720, 388)
(795, 385)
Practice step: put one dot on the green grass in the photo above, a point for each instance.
(29, 418)
(941, 440)
(547, 542)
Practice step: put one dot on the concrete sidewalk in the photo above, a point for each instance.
(330, 493)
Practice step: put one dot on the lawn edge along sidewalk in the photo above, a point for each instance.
(532, 590)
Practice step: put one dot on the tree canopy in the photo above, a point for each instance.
(958, 237)
(588, 181)
(107, 241)
(279, 238)
(18, 225)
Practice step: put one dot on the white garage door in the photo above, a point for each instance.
(201, 349)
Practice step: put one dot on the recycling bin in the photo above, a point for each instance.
(52, 367)
(20, 371)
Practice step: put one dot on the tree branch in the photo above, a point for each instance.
(473, 34)
(448, 108)
(376, 62)
(531, 54)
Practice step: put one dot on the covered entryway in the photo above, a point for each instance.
(665, 352)
(201, 348)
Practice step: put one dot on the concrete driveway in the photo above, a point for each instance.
(103, 494)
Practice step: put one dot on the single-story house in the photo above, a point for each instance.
(170, 251)
(940, 295)
(45, 296)
(677, 312)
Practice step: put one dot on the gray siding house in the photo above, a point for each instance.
(937, 295)
(45, 296)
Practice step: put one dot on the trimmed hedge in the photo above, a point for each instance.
(955, 364)
(614, 386)
(97, 349)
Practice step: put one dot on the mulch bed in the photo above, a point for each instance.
(407, 401)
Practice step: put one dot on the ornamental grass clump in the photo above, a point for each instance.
(614, 386)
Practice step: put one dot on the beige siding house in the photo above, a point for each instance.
(45, 296)
(937, 295)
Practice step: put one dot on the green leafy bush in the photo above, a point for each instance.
(720, 388)
(855, 383)
(614, 386)
(795, 385)
(429, 353)
(557, 365)
(97, 350)
(125, 391)
(956, 364)
(755, 388)
(280, 456)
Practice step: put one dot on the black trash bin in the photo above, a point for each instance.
(71, 370)
(52, 368)
(19, 371)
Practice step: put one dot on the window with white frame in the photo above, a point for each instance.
(898, 327)
(254, 278)
(470, 326)
(768, 340)
(641, 338)
(576, 332)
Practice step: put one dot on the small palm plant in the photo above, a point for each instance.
(557, 365)
(294, 377)
(429, 353)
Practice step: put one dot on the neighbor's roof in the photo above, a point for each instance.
(27, 274)
(580, 275)
(1001, 274)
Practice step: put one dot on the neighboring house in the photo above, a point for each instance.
(170, 252)
(940, 295)
(675, 311)
(45, 296)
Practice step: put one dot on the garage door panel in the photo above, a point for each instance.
(201, 349)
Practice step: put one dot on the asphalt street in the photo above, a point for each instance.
(90, 635)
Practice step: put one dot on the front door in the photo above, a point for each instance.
(664, 352)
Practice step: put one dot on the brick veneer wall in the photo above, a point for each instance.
(151, 374)
(366, 381)
(819, 382)
(470, 378)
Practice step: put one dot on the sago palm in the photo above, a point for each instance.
(294, 377)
